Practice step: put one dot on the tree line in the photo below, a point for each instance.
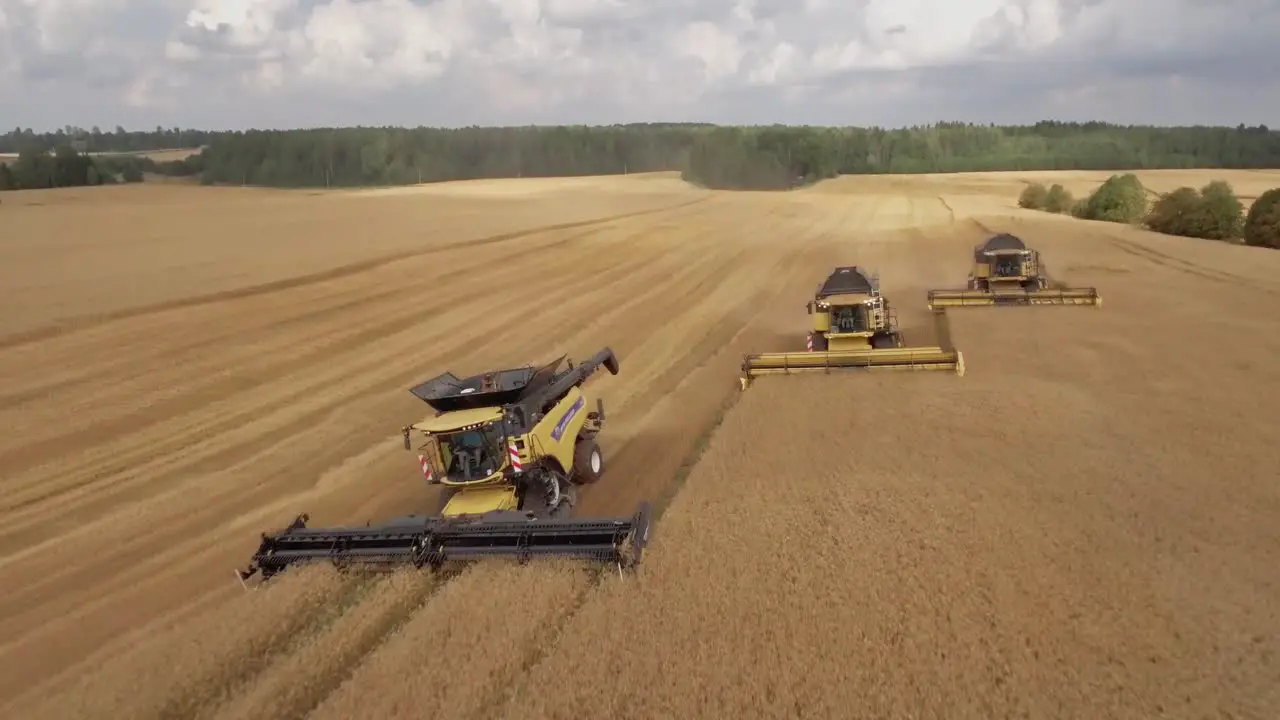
(95, 140)
(718, 157)
(1213, 212)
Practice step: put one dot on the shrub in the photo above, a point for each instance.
(1220, 215)
(1212, 213)
(1121, 199)
(1080, 209)
(1262, 226)
(1173, 212)
(1058, 200)
(1033, 197)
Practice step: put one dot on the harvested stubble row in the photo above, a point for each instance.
(459, 655)
(1083, 526)
(833, 577)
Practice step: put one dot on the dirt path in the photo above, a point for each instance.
(1053, 530)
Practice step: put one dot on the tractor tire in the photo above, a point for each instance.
(588, 462)
(562, 511)
(535, 502)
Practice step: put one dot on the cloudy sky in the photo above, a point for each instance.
(289, 63)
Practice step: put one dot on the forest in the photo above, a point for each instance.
(719, 157)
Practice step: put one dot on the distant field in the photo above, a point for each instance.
(1248, 184)
(157, 155)
(1086, 525)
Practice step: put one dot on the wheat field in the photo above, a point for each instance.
(1087, 524)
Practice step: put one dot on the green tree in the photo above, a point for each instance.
(1121, 199)
(774, 157)
(1262, 225)
(1034, 197)
(1058, 200)
(1220, 215)
(1172, 212)
(34, 169)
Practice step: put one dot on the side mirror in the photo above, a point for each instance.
(808, 307)
(405, 431)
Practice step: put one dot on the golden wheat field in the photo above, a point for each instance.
(1085, 525)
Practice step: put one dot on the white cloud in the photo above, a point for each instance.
(61, 24)
(717, 48)
(249, 22)
(180, 51)
(509, 61)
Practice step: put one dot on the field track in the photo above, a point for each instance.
(1086, 525)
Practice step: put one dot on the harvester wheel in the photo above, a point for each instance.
(588, 462)
(536, 496)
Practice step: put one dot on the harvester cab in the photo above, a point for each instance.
(1007, 272)
(516, 439)
(851, 314)
(508, 449)
(854, 327)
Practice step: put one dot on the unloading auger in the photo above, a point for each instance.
(854, 328)
(508, 449)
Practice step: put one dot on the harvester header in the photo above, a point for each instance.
(1006, 272)
(854, 328)
(431, 542)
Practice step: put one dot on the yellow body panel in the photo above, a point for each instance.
(556, 435)
(839, 342)
(968, 298)
(917, 358)
(498, 477)
(457, 419)
(476, 501)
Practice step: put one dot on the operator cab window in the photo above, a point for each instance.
(851, 318)
(1008, 266)
(471, 454)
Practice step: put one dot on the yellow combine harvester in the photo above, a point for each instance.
(854, 328)
(508, 448)
(1007, 272)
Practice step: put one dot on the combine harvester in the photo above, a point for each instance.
(1007, 272)
(854, 329)
(508, 448)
